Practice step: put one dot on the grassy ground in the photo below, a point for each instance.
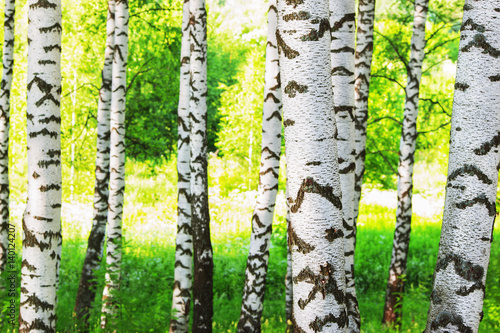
(149, 231)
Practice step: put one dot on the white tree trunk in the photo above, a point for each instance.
(8, 70)
(469, 212)
(42, 218)
(200, 217)
(397, 269)
(315, 234)
(181, 298)
(363, 62)
(117, 165)
(86, 289)
(262, 220)
(343, 29)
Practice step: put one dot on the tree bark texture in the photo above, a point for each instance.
(8, 70)
(315, 235)
(343, 31)
(469, 212)
(401, 242)
(289, 275)
(203, 254)
(42, 219)
(117, 166)
(363, 62)
(181, 299)
(86, 289)
(262, 220)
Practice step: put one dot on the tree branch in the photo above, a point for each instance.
(401, 58)
(376, 120)
(140, 72)
(390, 79)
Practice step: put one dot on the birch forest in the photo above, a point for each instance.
(298, 166)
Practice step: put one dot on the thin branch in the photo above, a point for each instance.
(436, 103)
(433, 65)
(159, 9)
(390, 79)
(379, 152)
(435, 129)
(376, 120)
(401, 58)
(140, 72)
(441, 44)
(80, 87)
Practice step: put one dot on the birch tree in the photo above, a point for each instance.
(8, 70)
(401, 242)
(86, 289)
(184, 242)
(469, 211)
(343, 26)
(203, 254)
(363, 62)
(262, 220)
(117, 164)
(42, 219)
(315, 234)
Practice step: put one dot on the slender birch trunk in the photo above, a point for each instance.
(181, 299)
(343, 32)
(469, 211)
(42, 219)
(397, 269)
(289, 275)
(203, 254)
(262, 220)
(117, 165)
(315, 235)
(86, 290)
(8, 70)
(363, 62)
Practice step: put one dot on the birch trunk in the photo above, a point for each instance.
(397, 269)
(289, 275)
(86, 290)
(343, 28)
(8, 69)
(203, 255)
(469, 212)
(117, 165)
(42, 219)
(262, 220)
(363, 62)
(315, 235)
(184, 242)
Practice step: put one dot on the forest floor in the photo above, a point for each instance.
(149, 233)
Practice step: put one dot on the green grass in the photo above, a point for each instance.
(148, 261)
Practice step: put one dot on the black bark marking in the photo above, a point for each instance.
(282, 47)
(323, 282)
(479, 41)
(276, 114)
(487, 146)
(341, 71)
(470, 170)
(294, 3)
(480, 199)
(57, 27)
(315, 35)
(271, 95)
(494, 78)
(345, 19)
(309, 185)
(471, 25)
(49, 48)
(301, 15)
(444, 318)
(47, 188)
(332, 234)
(293, 87)
(43, 4)
(318, 323)
(288, 122)
(293, 239)
(461, 86)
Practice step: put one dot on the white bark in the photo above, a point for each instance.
(184, 242)
(363, 61)
(42, 218)
(202, 247)
(397, 269)
(86, 290)
(315, 233)
(117, 164)
(469, 213)
(8, 69)
(343, 27)
(262, 220)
